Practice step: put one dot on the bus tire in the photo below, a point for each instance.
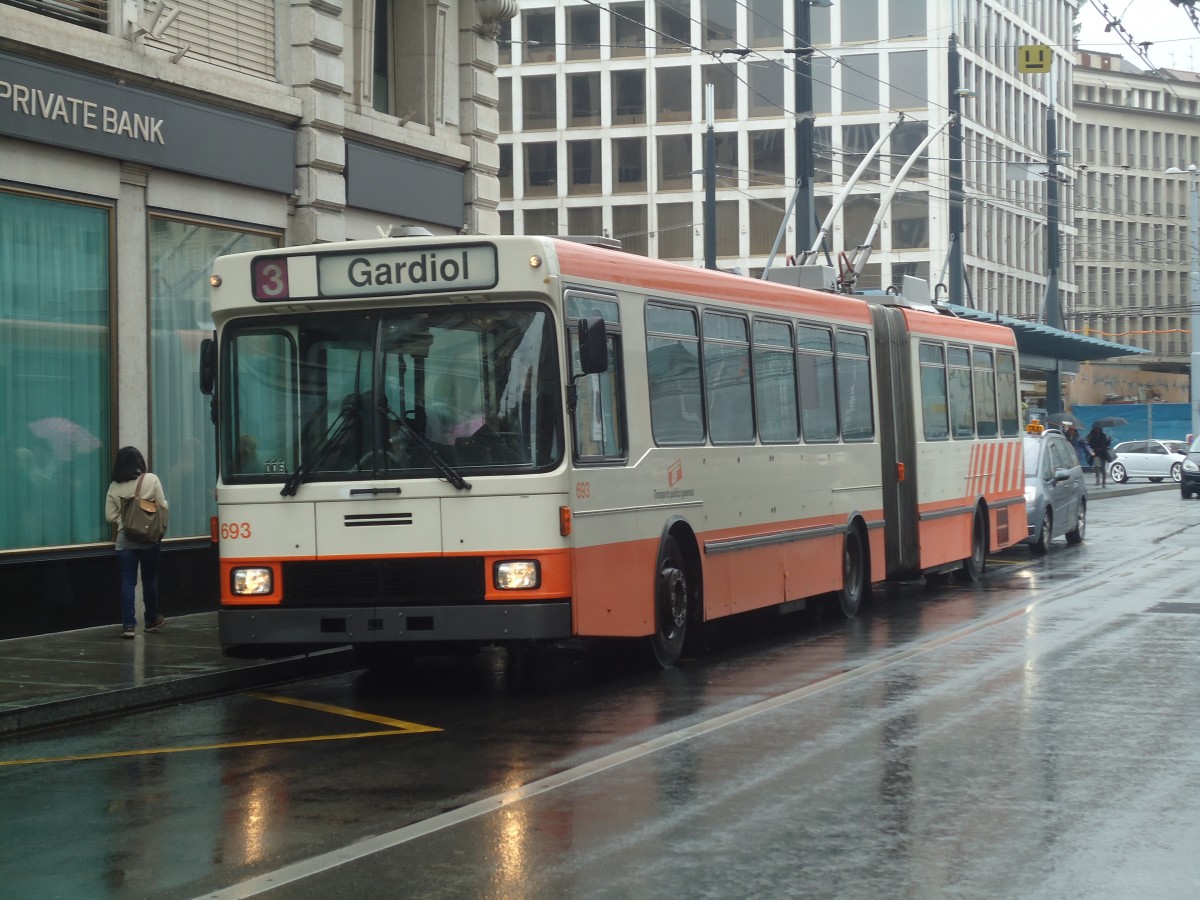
(855, 583)
(671, 606)
(972, 567)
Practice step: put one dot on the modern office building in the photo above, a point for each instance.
(138, 140)
(605, 126)
(1131, 254)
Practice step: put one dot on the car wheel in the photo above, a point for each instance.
(1041, 540)
(1118, 474)
(1154, 478)
(1076, 536)
(1177, 473)
(972, 567)
(1185, 492)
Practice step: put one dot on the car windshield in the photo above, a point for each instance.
(443, 393)
(1033, 447)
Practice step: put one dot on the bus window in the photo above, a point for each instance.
(599, 423)
(673, 364)
(935, 413)
(260, 431)
(818, 396)
(775, 382)
(962, 415)
(854, 387)
(727, 379)
(1006, 392)
(985, 393)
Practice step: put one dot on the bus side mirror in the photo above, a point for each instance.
(208, 365)
(593, 346)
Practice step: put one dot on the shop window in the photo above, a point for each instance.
(909, 73)
(765, 18)
(910, 221)
(860, 83)
(55, 421)
(506, 171)
(183, 441)
(504, 106)
(858, 141)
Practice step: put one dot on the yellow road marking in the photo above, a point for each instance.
(351, 713)
(395, 727)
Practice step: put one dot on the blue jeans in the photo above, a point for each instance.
(128, 560)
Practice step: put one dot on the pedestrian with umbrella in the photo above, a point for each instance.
(1100, 445)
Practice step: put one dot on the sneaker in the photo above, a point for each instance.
(128, 633)
(157, 625)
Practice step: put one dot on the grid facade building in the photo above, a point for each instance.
(603, 130)
(1132, 252)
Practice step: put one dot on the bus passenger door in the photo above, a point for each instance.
(897, 439)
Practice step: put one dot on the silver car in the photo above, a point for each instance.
(1055, 490)
(1156, 460)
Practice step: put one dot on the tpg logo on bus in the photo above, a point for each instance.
(417, 271)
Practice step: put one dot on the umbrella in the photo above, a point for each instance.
(1062, 420)
(1109, 422)
(66, 438)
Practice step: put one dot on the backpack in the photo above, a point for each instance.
(141, 519)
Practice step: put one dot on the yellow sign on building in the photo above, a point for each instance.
(1034, 58)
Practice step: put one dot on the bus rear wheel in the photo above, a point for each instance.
(854, 575)
(670, 605)
(972, 567)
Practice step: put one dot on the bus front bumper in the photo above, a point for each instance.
(247, 630)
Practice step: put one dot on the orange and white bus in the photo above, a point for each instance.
(466, 440)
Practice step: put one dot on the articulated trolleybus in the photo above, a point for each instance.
(443, 442)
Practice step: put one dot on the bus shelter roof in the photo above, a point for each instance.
(1035, 340)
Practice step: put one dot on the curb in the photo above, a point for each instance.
(171, 690)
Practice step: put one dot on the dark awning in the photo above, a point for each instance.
(1035, 340)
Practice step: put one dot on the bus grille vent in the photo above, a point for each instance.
(384, 582)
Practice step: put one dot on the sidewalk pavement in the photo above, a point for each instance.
(52, 679)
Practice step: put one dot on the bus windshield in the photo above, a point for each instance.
(441, 393)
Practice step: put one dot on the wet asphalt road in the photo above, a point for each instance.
(1034, 735)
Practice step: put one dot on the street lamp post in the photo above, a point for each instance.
(805, 201)
(1194, 303)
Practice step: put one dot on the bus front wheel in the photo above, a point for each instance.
(670, 605)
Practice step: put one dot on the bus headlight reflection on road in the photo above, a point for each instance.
(251, 581)
(516, 575)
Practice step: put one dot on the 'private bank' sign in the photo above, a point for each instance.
(51, 105)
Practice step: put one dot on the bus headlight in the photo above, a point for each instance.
(516, 575)
(252, 581)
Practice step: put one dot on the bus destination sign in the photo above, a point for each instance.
(379, 272)
(417, 271)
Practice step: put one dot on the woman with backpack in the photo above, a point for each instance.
(131, 483)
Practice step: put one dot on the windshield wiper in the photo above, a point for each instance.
(447, 470)
(338, 429)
